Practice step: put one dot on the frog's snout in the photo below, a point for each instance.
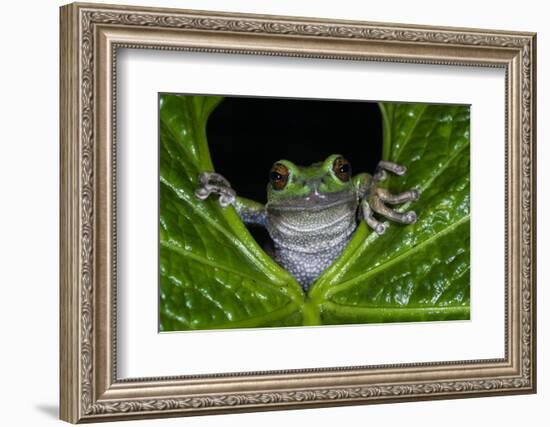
(314, 190)
(315, 195)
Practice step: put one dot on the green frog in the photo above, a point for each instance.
(312, 211)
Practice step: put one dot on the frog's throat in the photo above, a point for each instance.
(312, 230)
(317, 228)
(318, 239)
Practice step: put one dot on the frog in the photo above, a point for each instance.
(312, 211)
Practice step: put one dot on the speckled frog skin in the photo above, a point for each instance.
(312, 211)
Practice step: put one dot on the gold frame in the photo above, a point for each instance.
(90, 35)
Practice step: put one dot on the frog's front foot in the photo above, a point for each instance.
(214, 183)
(378, 198)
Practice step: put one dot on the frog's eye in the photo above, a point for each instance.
(278, 176)
(342, 169)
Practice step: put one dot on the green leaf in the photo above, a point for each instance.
(412, 272)
(214, 275)
(212, 272)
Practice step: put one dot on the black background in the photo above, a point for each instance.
(247, 135)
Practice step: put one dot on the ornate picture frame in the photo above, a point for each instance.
(90, 37)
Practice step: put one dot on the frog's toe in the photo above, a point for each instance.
(380, 228)
(400, 170)
(392, 167)
(415, 194)
(202, 193)
(410, 217)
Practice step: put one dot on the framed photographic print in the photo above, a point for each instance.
(311, 213)
(264, 212)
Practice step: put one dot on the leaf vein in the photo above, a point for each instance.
(410, 132)
(348, 283)
(206, 261)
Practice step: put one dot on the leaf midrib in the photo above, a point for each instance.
(354, 309)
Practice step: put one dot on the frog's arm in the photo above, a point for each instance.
(362, 183)
(250, 211)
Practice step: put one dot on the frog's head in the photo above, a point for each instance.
(312, 187)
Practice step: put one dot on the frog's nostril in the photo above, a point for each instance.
(317, 195)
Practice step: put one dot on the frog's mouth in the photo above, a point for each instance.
(315, 201)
